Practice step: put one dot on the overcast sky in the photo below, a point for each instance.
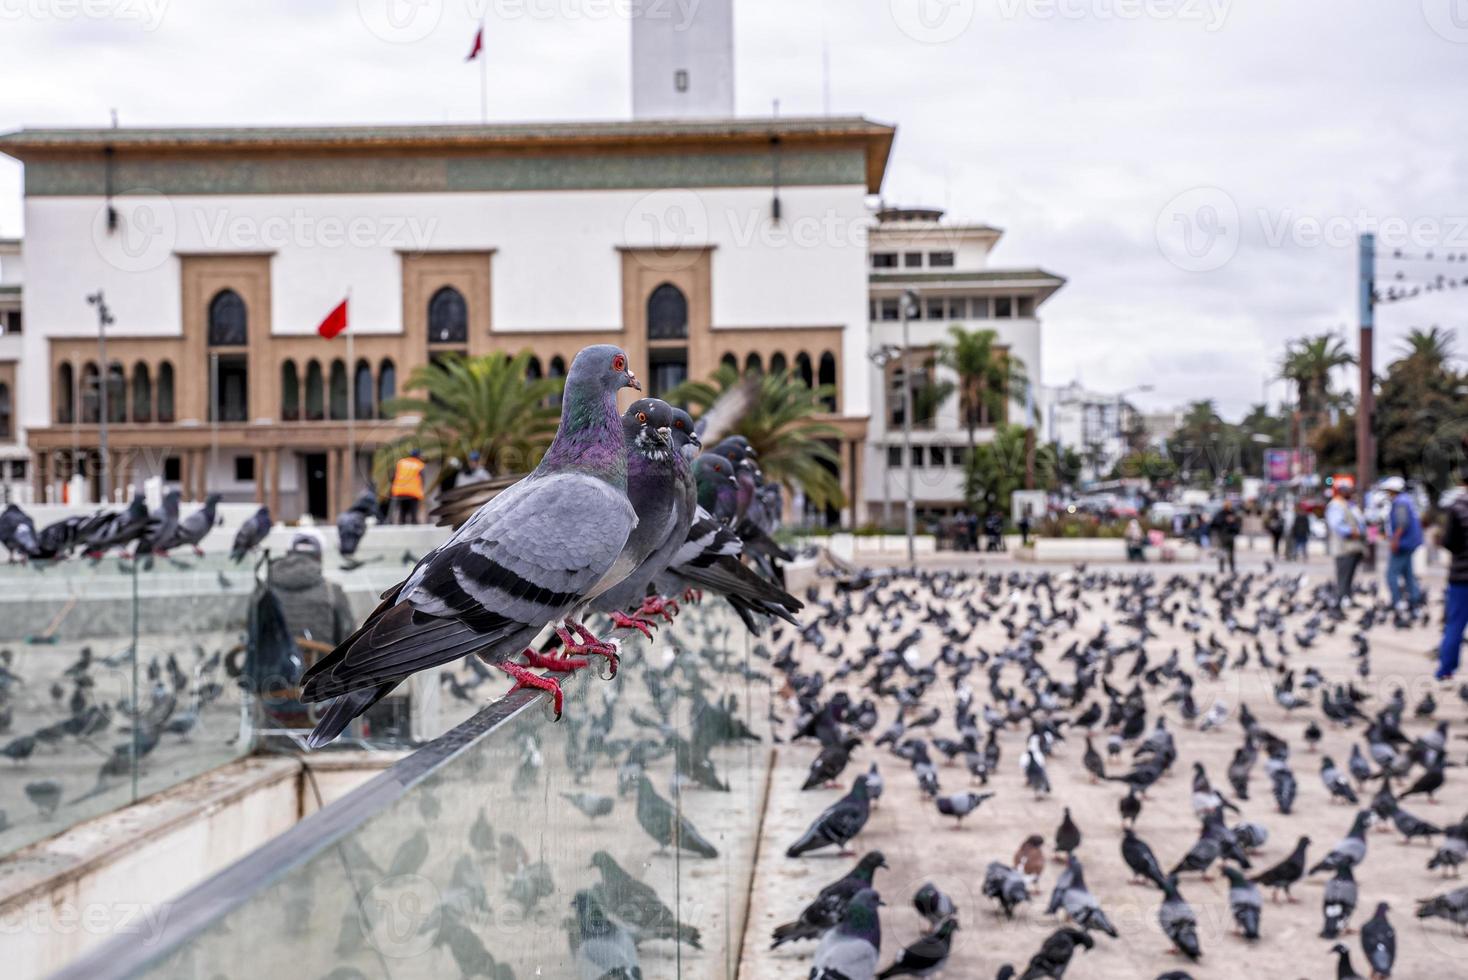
(1197, 169)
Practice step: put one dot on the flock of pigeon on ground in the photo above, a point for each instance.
(1111, 690)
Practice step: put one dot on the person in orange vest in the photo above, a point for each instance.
(407, 487)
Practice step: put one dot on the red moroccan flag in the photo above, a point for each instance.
(478, 46)
(335, 322)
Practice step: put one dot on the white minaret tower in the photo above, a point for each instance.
(682, 59)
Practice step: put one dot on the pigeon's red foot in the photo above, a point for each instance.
(692, 595)
(588, 644)
(564, 665)
(656, 605)
(524, 679)
(622, 621)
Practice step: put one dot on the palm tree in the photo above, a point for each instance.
(1432, 347)
(988, 377)
(478, 403)
(1309, 363)
(793, 445)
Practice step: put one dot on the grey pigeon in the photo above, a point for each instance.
(1338, 902)
(926, 956)
(849, 950)
(351, 524)
(660, 487)
(121, 529)
(529, 557)
(638, 905)
(838, 823)
(1452, 906)
(162, 524)
(665, 825)
(1080, 905)
(1379, 942)
(826, 910)
(193, 529)
(18, 533)
(1352, 847)
(250, 534)
(960, 805)
(592, 804)
(601, 949)
(1177, 920)
(1005, 885)
(1244, 901)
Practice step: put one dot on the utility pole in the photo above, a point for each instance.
(908, 307)
(1366, 404)
(104, 381)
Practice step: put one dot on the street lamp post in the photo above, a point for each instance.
(908, 304)
(104, 381)
(881, 357)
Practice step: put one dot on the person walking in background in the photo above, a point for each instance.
(1024, 527)
(1455, 610)
(1136, 549)
(1300, 535)
(407, 487)
(1225, 528)
(1349, 528)
(1404, 535)
(1274, 524)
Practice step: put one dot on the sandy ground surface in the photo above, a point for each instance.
(922, 846)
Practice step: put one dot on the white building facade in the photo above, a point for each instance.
(682, 59)
(945, 268)
(220, 251)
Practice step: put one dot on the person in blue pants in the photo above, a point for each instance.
(1404, 536)
(1455, 613)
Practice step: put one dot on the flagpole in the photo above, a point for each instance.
(483, 79)
(351, 400)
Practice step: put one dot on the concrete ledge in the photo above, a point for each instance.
(1100, 549)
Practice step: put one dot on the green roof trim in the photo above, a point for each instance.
(385, 159)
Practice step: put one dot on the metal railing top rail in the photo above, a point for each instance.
(206, 903)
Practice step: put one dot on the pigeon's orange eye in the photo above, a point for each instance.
(619, 363)
(642, 416)
(678, 423)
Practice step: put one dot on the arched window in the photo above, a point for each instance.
(65, 395)
(803, 369)
(753, 364)
(142, 393)
(777, 363)
(338, 390)
(362, 391)
(448, 317)
(532, 370)
(290, 392)
(827, 376)
(116, 394)
(557, 369)
(227, 320)
(667, 313)
(315, 393)
(165, 392)
(91, 395)
(5, 412)
(387, 385)
(729, 360)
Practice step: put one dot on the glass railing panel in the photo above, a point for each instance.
(517, 845)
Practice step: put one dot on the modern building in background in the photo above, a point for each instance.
(14, 457)
(220, 250)
(1096, 424)
(946, 266)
